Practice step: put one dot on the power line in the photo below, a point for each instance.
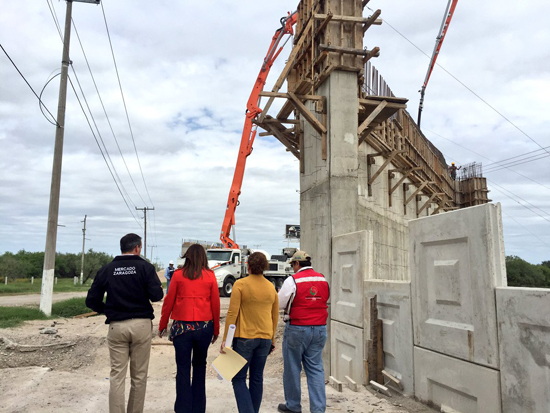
(525, 228)
(105, 112)
(469, 89)
(504, 166)
(124, 102)
(116, 183)
(28, 84)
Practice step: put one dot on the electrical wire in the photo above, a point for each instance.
(526, 229)
(105, 112)
(99, 146)
(124, 102)
(468, 88)
(29, 85)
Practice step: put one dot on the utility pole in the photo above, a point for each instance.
(152, 246)
(46, 292)
(145, 209)
(83, 244)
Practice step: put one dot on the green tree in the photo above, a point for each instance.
(520, 273)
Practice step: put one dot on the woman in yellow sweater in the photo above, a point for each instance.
(254, 309)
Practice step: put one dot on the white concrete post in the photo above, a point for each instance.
(75, 279)
(56, 280)
(32, 280)
(6, 280)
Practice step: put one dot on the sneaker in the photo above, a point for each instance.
(282, 408)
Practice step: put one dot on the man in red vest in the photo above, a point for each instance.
(304, 298)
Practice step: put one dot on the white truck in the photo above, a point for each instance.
(231, 264)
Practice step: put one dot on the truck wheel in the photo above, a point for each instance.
(273, 281)
(227, 288)
(280, 282)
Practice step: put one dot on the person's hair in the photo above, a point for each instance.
(195, 262)
(306, 263)
(128, 242)
(257, 262)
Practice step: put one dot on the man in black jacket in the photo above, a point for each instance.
(131, 283)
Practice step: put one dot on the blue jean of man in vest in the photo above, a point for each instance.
(303, 345)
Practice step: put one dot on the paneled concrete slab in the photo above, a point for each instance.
(524, 332)
(394, 309)
(346, 352)
(457, 259)
(351, 262)
(455, 385)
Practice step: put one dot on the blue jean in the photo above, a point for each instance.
(191, 397)
(304, 345)
(255, 351)
(167, 285)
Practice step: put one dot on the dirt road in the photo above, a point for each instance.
(34, 299)
(69, 372)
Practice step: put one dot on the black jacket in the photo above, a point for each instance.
(131, 283)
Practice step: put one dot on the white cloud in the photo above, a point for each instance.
(187, 70)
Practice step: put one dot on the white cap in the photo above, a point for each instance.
(171, 262)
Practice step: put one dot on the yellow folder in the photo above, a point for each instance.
(229, 364)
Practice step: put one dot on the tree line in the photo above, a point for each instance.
(25, 264)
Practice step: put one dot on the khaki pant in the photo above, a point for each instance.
(129, 340)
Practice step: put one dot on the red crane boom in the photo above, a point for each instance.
(249, 130)
(451, 6)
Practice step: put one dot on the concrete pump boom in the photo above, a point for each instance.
(249, 130)
(451, 5)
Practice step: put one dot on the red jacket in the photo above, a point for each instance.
(192, 300)
(309, 306)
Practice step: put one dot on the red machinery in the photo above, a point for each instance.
(451, 5)
(249, 130)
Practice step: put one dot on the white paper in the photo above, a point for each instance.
(230, 335)
(228, 343)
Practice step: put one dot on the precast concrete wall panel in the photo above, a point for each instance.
(456, 260)
(455, 385)
(351, 261)
(347, 359)
(524, 332)
(394, 309)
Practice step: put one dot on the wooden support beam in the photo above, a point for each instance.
(341, 49)
(405, 176)
(391, 155)
(288, 67)
(373, 330)
(430, 199)
(420, 188)
(362, 131)
(324, 24)
(443, 202)
(371, 20)
(345, 19)
(313, 121)
(370, 161)
(285, 96)
(375, 52)
(379, 351)
(282, 138)
(364, 3)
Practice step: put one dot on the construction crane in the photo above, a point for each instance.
(249, 130)
(451, 5)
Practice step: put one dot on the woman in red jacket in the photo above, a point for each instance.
(193, 303)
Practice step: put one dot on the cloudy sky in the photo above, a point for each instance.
(187, 69)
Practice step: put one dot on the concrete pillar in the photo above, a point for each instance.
(32, 280)
(328, 199)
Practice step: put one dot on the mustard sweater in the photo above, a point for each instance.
(253, 308)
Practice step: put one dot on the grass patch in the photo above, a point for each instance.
(14, 316)
(24, 286)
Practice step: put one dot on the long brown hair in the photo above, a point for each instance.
(195, 262)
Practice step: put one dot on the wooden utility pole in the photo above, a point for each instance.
(46, 292)
(145, 209)
(83, 245)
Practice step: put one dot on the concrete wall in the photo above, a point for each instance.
(524, 333)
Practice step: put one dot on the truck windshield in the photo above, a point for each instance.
(218, 255)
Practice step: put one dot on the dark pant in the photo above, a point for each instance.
(191, 397)
(255, 351)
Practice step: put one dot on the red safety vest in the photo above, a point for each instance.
(309, 306)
